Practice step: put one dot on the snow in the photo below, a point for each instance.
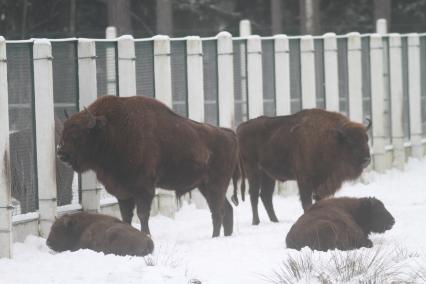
(185, 251)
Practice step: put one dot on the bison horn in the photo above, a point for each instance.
(368, 123)
(92, 122)
(66, 114)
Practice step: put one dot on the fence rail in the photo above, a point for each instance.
(221, 80)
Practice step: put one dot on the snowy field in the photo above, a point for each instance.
(185, 252)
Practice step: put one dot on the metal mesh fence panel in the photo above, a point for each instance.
(295, 75)
(405, 89)
(342, 66)
(65, 96)
(423, 81)
(366, 79)
(386, 103)
(211, 107)
(145, 82)
(268, 72)
(22, 127)
(319, 73)
(106, 68)
(179, 74)
(240, 80)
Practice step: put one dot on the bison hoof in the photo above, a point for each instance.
(255, 222)
(275, 220)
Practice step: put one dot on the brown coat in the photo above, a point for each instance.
(136, 144)
(99, 233)
(339, 223)
(318, 148)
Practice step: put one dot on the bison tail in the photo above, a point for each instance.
(238, 172)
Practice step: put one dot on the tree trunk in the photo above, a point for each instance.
(276, 17)
(24, 19)
(382, 10)
(309, 17)
(72, 18)
(119, 16)
(164, 17)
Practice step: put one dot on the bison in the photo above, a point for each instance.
(318, 148)
(136, 144)
(340, 223)
(98, 232)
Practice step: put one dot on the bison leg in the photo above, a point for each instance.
(143, 207)
(266, 193)
(216, 204)
(228, 219)
(126, 209)
(254, 188)
(305, 193)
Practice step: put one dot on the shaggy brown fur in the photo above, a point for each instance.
(340, 223)
(136, 144)
(318, 148)
(99, 233)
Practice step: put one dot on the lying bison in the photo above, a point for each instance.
(340, 223)
(98, 232)
(136, 144)
(319, 149)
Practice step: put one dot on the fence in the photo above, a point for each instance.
(220, 80)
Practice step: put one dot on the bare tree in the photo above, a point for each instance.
(164, 17)
(309, 16)
(119, 16)
(276, 16)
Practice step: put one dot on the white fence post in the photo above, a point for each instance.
(377, 101)
(194, 62)
(254, 76)
(355, 77)
(5, 187)
(126, 66)
(245, 28)
(331, 72)
(414, 84)
(111, 33)
(90, 190)
(381, 26)
(397, 100)
(167, 204)
(45, 134)
(225, 71)
(282, 75)
(162, 70)
(307, 69)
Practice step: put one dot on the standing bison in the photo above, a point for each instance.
(319, 149)
(340, 223)
(136, 144)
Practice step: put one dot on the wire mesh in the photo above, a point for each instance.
(179, 75)
(423, 81)
(240, 80)
(319, 73)
(145, 82)
(22, 127)
(295, 76)
(405, 89)
(342, 66)
(106, 68)
(268, 75)
(386, 103)
(65, 96)
(211, 107)
(366, 80)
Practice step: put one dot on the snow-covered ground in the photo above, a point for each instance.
(184, 250)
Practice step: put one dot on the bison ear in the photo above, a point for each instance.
(340, 134)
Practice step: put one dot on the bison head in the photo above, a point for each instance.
(80, 137)
(61, 236)
(353, 140)
(374, 217)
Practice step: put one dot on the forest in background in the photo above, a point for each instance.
(22, 19)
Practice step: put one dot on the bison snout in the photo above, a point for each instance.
(366, 161)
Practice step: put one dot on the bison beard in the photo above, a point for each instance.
(340, 223)
(98, 232)
(136, 144)
(319, 149)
